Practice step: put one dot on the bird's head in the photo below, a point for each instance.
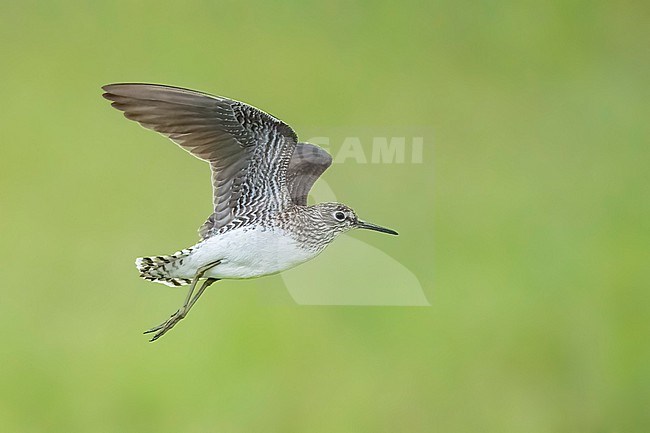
(339, 218)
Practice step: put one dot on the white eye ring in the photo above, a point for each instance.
(340, 216)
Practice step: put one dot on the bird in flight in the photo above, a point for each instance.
(261, 176)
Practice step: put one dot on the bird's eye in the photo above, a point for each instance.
(340, 216)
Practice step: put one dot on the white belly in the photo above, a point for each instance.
(246, 253)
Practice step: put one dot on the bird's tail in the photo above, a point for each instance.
(157, 268)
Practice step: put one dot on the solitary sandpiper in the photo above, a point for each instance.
(261, 176)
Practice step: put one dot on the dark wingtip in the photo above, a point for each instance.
(107, 92)
(107, 88)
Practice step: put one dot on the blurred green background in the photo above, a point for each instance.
(527, 224)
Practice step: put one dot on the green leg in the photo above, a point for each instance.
(180, 314)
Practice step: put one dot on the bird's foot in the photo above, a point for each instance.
(165, 326)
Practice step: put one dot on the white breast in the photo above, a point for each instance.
(246, 253)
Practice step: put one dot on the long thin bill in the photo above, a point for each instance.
(375, 227)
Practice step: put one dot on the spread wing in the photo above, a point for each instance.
(248, 150)
(307, 163)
